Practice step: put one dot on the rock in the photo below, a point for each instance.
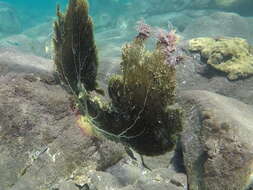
(136, 177)
(154, 185)
(127, 174)
(169, 175)
(195, 74)
(233, 56)
(153, 7)
(200, 4)
(40, 143)
(241, 6)
(103, 16)
(129, 187)
(15, 61)
(104, 180)
(67, 186)
(161, 161)
(217, 141)
(220, 24)
(9, 22)
(178, 20)
(40, 37)
(36, 40)
(161, 6)
(37, 46)
(43, 29)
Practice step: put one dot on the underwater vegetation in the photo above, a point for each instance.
(75, 51)
(233, 56)
(146, 91)
(141, 112)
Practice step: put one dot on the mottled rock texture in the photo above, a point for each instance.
(217, 141)
(40, 143)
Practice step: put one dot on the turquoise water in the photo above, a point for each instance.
(115, 20)
(31, 12)
(41, 10)
(111, 12)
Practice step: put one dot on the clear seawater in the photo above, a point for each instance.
(30, 11)
(116, 12)
(115, 20)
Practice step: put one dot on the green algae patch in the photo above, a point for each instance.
(232, 56)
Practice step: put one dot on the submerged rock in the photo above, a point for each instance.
(21, 42)
(242, 6)
(195, 74)
(233, 56)
(217, 141)
(40, 144)
(129, 176)
(220, 24)
(15, 61)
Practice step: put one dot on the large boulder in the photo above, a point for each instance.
(41, 146)
(217, 141)
(195, 74)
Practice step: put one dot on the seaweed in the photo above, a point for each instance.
(145, 93)
(142, 113)
(75, 50)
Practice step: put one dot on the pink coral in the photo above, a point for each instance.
(166, 40)
(144, 30)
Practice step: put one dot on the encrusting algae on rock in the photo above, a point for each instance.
(233, 56)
